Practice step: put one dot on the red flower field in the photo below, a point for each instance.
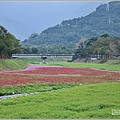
(55, 74)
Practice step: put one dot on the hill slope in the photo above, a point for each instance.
(9, 64)
(104, 20)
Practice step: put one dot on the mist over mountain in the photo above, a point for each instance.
(24, 18)
(19, 30)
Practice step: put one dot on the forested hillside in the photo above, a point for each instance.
(8, 44)
(105, 20)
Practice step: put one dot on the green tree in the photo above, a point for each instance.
(104, 46)
(9, 44)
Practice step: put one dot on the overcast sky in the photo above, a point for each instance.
(38, 16)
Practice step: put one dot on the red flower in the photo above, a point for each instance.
(56, 74)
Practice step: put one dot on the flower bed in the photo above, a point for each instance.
(54, 74)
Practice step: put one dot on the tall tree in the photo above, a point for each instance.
(8, 44)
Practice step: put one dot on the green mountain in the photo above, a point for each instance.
(105, 20)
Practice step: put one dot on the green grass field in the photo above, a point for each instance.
(83, 101)
(68, 101)
(114, 67)
(31, 88)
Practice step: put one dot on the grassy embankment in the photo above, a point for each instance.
(10, 64)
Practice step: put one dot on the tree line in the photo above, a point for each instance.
(49, 49)
(105, 46)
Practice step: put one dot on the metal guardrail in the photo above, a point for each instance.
(40, 55)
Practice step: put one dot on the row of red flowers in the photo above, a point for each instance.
(54, 74)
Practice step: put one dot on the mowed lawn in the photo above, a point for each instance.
(83, 101)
